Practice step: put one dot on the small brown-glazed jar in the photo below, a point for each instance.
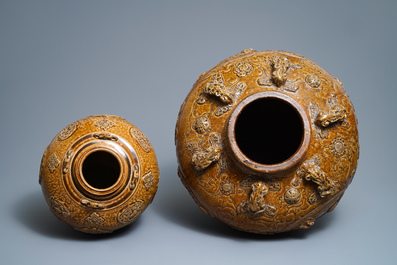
(99, 174)
(267, 142)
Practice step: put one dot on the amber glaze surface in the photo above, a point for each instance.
(99, 174)
(267, 142)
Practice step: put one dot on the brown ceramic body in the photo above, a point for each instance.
(267, 142)
(99, 174)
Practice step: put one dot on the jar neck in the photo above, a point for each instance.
(100, 167)
(268, 133)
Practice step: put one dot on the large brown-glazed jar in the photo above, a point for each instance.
(267, 142)
(99, 174)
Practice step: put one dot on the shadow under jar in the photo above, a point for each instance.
(99, 174)
(267, 142)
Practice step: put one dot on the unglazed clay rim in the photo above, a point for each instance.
(271, 168)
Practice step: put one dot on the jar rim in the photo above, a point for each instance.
(287, 164)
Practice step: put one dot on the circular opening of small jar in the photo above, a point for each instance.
(269, 131)
(101, 169)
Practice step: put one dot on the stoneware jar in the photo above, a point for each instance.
(99, 174)
(267, 142)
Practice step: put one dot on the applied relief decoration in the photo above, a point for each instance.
(335, 113)
(94, 219)
(246, 184)
(333, 116)
(91, 204)
(141, 139)
(148, 180)
(313, 80)
(227, 187)
(217, 88)
(314, 110)
(309, 222)
(53, 162)
(203, 158)
(201, 125)
(292, 196)
(105, 136)
(135, 176)
(105, 124)
(66, 161)
(313, 198)
(279, 74)
(59, 207)
(242, 68)
(130, 213)
(256, 203)
(312, 172)
(338, 147)
(223, 109)
(341, 151)
(68, 131)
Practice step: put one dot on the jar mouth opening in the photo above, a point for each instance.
(98, 169)
(268, 132)
(101, 169)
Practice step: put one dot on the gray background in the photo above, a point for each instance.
(61, 61)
